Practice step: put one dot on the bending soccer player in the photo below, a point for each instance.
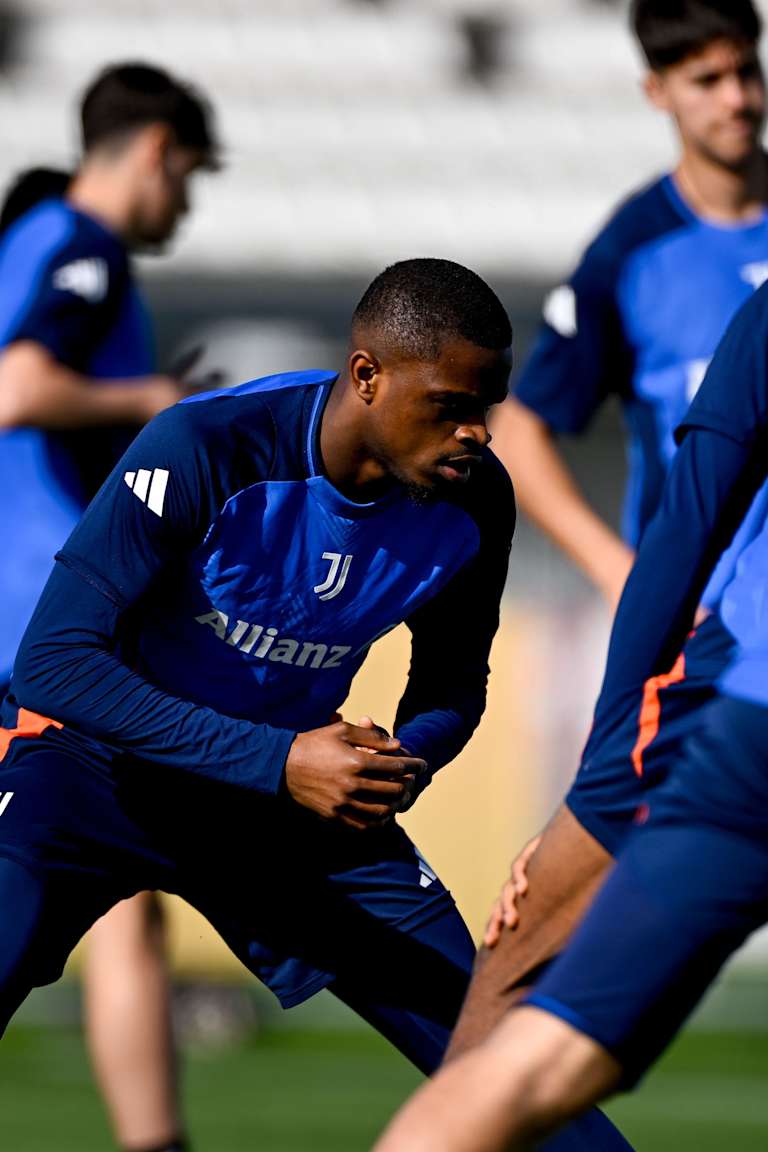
(691, 882)
(627, 322)
(636, 326)
(169, 724)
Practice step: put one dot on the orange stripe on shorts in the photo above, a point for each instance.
(27, 724)
(650, 710)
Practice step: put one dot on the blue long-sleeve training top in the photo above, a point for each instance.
(220, 594)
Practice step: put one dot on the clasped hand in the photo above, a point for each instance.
(356, 774)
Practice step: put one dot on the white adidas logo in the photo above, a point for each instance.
(559, 311)
(755, 274)
(149, 487)
(426, 875)
(86, 278)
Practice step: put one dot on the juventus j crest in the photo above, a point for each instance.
(337, 575)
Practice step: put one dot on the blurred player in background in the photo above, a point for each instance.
(691, 882)
(77, 380)
(646, 307)
(642, 315)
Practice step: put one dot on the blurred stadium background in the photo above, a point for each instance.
(358, 132)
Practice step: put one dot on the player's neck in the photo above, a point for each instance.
(722, 194)
(100, 193)
(347, 463)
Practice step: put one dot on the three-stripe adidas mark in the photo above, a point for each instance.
(149, 487)
(5, 799)
(87, 278)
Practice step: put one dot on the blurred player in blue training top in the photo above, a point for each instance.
(77, 379)
(650, 300)
(171, 717)
(691, 882)
(647, 308)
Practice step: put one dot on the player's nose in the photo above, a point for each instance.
(474, 434)
(736, 93)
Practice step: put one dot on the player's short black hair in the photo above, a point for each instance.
(417, 304)
(670, 30)
(29, 188)
(128, 96)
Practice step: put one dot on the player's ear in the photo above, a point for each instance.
(154, 141)
(364, 371)
(655, 90)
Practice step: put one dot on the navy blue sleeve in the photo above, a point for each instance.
(451, 640)
(66, 287)
(733, 398)
(721, 464)
(69, 667)
(580, 354)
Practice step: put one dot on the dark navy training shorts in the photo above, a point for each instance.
(687, 889)
(301, 901)
(639, 743)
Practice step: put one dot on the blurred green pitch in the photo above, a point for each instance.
(289, 1091)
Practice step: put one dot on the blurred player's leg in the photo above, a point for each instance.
(495, 1097)
(422, 1035)
(420, 1039)
(580, 841)
(686, 892)
(563, 875)
(623, 987)
(128, 1023)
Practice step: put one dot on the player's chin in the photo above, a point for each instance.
(738, 156)
(157, 238)
(422, 488)
(152, 246)
(738, 146)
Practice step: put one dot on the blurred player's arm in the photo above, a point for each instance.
(69, 297)
(549, 495)
(718, 470)
(451, 638)
(38, 390)
(580, 356)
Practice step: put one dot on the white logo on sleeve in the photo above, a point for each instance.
(755, 274)
(559, 310)
(149, 487)
(335, 580)
(5, 799)
(695, 371)
(87, 278)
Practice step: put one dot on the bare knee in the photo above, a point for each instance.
(563, 873)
